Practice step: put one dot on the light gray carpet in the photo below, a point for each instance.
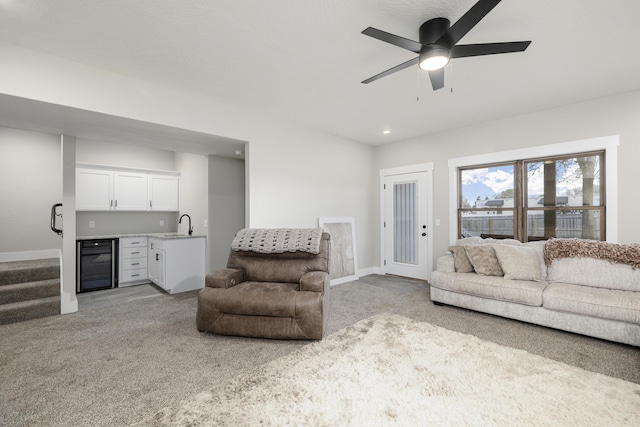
(389, 370)
(119, 362)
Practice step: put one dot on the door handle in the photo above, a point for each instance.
(424, 234)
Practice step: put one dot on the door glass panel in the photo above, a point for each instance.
(405, 226)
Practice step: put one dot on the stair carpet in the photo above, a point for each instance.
(29, 290)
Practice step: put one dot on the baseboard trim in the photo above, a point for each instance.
(26, 256)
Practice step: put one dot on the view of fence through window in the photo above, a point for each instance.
(534, 199)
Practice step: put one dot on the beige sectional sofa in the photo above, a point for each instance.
(581, 286)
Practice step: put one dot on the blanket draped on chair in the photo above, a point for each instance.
(278, 240)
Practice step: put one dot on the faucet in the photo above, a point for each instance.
(190, 227)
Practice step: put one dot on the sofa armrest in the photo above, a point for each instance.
(445, 263)
(224, 278)
(314, 281)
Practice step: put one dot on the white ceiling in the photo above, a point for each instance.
(303, 60)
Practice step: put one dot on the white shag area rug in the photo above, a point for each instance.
(392, 371)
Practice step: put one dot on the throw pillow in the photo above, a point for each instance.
(520, 262)
(460, 260)
(484, 260)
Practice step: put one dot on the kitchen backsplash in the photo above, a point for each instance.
(108, 223)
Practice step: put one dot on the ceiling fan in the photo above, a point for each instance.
(438, 43)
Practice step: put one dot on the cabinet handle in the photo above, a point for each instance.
(134, 275)
(135, 243)
(134, 253)
(111, 203)
(116, 203)
(157, 257)
(150, 203)
(135, 263)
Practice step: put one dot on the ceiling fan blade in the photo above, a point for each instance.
(465, 50)
(393, 39)
(437, 79)
(467, 22)
(392, 70)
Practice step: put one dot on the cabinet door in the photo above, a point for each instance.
(94, 190)
(130, 191)
(163, 193)
(156, 264)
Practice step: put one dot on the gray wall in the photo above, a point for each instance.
(226, 206)
(616, 115)
(31, 182)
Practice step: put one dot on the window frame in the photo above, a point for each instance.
(608, 168)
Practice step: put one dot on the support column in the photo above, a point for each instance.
(68, 300)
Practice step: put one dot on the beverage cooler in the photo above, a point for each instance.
(96, 264)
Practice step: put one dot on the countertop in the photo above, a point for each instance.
(165, 236)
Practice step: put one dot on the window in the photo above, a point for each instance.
(534, 199)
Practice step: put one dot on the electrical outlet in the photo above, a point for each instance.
(162, 223)
(438, 222)
(206, 223)
(92, 224)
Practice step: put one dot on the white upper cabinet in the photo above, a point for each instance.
(99, 188)
(163, 193)
(130, 191)
(94, 190)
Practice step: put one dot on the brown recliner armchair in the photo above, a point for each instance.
(275, 295)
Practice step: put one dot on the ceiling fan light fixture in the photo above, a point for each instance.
(434, 58)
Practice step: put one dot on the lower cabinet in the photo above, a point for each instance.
(177, 265)
(133, 261)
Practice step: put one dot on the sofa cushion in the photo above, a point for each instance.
(498, 288)
(484, 260)
(609, 304)
(461, 261)
(521, 262)
(594, 272)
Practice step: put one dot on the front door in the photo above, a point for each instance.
(405, 225)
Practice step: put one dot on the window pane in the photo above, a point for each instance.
(497, 224)
(576, 223)
(573, 181)
(487, 187)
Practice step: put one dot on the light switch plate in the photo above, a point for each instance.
(162, 223)
(92, 224)
(206, 223)
(438, 222)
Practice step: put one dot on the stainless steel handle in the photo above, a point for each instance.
(135, 263)
(135, 243)
(134, 275)
(150, 203)
(157, 257)
(133, 253)
(116, 203)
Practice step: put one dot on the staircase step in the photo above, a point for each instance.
(29, 290)
(28, 310)
(29, 271)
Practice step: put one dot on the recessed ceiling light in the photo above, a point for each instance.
(386, 131)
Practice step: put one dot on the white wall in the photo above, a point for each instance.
(112, 154)
(194, 185)
(124, 155)
(31, 177)
(615, 115)
(295, 175)
(226, 207)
